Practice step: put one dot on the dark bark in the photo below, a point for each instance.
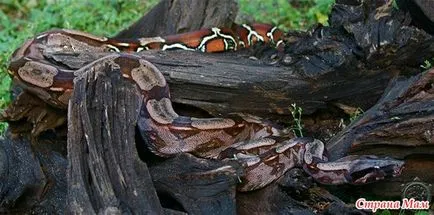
(30, 114)
(293, 193)
(200, 186)
(178, 16)
(105, 173)
(422, 13)
(400, 125)
(32, 177)
(17, 160)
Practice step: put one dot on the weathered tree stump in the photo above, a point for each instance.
(105, 174)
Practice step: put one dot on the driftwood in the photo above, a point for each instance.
(347, 64)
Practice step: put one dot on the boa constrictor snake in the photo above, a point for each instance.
(259, 145)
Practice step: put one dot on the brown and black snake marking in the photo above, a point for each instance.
(269, 158)
(260, 146)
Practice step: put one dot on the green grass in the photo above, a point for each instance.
(428, 64)
(22, 19)
(299, 15)
(297, 127)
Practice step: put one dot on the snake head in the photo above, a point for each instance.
(354, 170)
(368, 169)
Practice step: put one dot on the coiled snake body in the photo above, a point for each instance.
(260, 146)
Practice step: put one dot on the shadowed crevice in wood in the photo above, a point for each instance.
(201, 186)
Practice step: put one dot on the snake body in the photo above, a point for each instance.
(263, 148)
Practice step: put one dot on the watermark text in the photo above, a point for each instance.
(407, 204)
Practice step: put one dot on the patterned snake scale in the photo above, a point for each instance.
(257, 144)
